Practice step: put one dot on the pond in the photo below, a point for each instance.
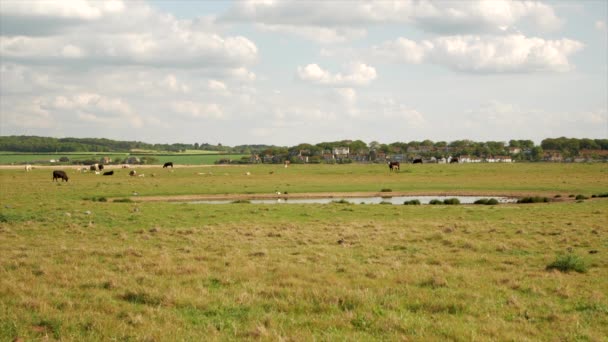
(363, 200)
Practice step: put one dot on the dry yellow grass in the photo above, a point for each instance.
(164, 271)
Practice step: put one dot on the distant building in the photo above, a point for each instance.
(341, 152)
(132, 160)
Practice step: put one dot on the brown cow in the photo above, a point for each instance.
(60, 174)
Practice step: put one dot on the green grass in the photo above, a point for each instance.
(176, 271)
(567, 263)
(178, 158)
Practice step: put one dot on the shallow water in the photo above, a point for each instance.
(362, 200)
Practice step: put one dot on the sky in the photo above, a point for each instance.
(291, 72)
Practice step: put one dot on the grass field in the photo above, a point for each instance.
(76, 268)
(199, 158)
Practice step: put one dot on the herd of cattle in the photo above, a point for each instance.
(97, 168)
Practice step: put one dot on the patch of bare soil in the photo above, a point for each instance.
(337, 195)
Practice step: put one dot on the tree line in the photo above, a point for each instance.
(567, 146)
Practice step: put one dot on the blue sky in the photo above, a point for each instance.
(287, 72)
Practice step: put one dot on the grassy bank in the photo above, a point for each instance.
(200, 158)
(76, 269)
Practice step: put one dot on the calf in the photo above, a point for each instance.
(394, 165)
(108, 173)
(28, 168)
(132, 173)
(100, 167)
(60, 174)
(417, 161)
(454, 160)
(167, 164)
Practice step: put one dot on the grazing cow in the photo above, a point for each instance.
(60, 174)
(125, 166)
(132, 173)
(28, 168)
(417, 161)
(100, 167)
(394, 165)
(167, 164)
(108, 173)
(454, 160)
(93, 167)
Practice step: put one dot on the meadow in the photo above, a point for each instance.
(75, 265)
(190, 157)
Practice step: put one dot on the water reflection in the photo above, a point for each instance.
(397, 200)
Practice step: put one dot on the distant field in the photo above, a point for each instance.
(76, 267)
(7, 158)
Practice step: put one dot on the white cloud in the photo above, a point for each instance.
(95, 107)
(358, 74)
(339, 21)
(198, 110)
(600, 25)
(484, 54)
(347, 95)
(217, 86)
(73, 9)
(171, 83)
(118, 33)
(389, 108)
(322, 35)
(402, 50)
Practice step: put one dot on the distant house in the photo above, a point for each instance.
(341, 152)
(469, 159)
(514, 150)
(503, 159)
(132, 160)
(328, 157)
(590, 155)
(552, 156)
(399, 157)
(360, 157)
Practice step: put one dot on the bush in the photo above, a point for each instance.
(412, 202)
(241, 201)
(122, 200)
(342, 201)
(533, 200)
(492, 201)
(386, 190)
(96, 199)
(385, 202)
(567, 263)
(435, 202)
(451, 201)
(605, 194)
(581, 197)
(486, 201)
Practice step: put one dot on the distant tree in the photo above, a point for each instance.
(536, 153)
(374, 145)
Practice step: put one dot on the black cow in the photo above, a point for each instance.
(167, 164)
(60, 174)
(394, 165)
(109, 173)
(417, 161)
(454, 160)
(100, 167)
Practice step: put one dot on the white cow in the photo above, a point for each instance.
(28, 168)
